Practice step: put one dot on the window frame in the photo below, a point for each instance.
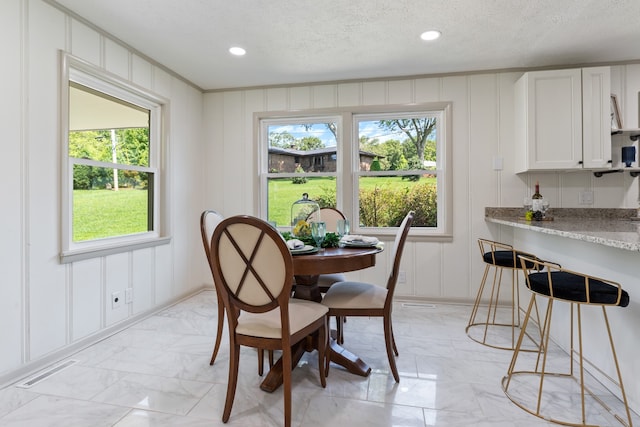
(262, 134)
(348, 168)
(86, 74)
(439, 171)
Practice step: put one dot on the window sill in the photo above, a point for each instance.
(100, 251)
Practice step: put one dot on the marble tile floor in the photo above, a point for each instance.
(157, 373)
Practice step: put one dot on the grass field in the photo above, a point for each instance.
(283, 193)
(105, 213)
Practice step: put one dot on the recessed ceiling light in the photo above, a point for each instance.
(237, 51)
(430, 35)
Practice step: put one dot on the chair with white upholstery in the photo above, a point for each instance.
(253, 270)
(330, 217)
(366, 299)
(209, 220)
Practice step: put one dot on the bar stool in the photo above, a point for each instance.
(488, 319)
(540, 384)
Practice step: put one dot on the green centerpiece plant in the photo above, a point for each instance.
(330, 239)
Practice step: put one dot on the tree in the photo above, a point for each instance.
(393, 155)
(417, 130)
(132, 148)
(281, 139)
(309, 143)
(375, 165)
(299, 179)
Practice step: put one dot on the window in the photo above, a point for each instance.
(294, 163)
(374, 163)
(112, 139)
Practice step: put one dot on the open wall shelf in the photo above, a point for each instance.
(633, 172)
(621, 135)
(633, 134)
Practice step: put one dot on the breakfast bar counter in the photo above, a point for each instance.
(600, 242)
(617, 228)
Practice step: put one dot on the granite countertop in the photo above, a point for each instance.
(618, 228)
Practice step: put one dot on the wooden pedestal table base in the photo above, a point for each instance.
(307, 268)
(339, 355)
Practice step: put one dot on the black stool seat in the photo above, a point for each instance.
(508, 259)
(573, 287)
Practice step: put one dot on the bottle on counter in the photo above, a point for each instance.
(537, 200)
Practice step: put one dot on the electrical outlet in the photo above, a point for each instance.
(402, 277)
(585, 198)
(116, 300)
(128, 295)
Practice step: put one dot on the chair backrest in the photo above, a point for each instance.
(330, 216)
(209, 220)
(396, 254)
(252, 267)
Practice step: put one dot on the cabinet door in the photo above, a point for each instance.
(549, 124)
(596, 114)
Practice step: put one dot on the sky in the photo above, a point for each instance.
(320, 130)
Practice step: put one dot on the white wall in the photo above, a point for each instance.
(48, 308)
(483, 116)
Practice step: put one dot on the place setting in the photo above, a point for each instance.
(298, 247)
(358, 241)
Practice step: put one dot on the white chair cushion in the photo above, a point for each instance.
(329, 279)
(267, 325)
(355, 295)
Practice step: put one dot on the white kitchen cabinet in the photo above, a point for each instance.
(563, 120)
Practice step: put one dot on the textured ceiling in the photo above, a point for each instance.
(302, 41)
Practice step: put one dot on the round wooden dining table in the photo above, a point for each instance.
(307, 268)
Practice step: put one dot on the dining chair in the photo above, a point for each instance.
(209, 220)
(330, 216)
(366, 299)
(253, 271)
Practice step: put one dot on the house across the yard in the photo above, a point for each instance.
(285, 160)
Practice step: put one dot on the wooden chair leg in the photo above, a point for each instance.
(344, 320)
(327, 352)
(261, 361)
(388, 339)
(286, 382)
(339, 330)
(234, 360)
(216, 347)
(393, 341)
(322, 353)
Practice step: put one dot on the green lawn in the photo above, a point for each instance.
(283, 193)
(105, 213)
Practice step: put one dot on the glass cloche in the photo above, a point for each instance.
(303, 212)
